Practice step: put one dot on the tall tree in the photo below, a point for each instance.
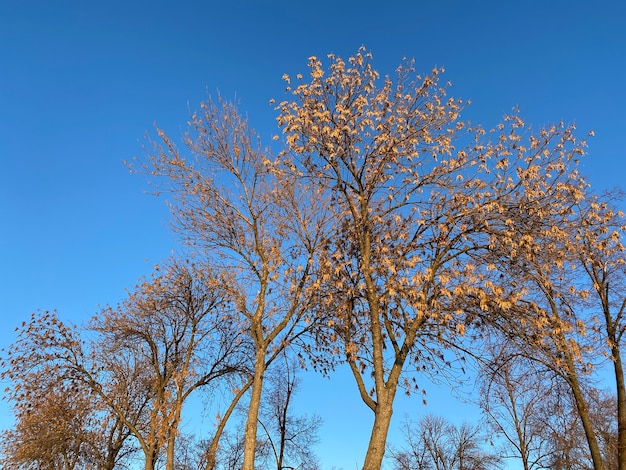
(536, 248)
(413, 190)
(601, 254)
(385, 155)
(259, 223)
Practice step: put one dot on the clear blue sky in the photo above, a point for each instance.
(81, 82)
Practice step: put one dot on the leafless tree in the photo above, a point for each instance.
(514, 394)
(289, 437)
(260, 223)
(177, 325)
(434, 443)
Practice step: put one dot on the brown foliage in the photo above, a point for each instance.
(420, 197)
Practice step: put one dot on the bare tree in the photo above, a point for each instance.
(564, 435)
(177, 324)
(285, 439)
(434, 443)
(250, 216)
(515, 393)
(231, 451)
(289, 437)
(606, 424)
(533, 409)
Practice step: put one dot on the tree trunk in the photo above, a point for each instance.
(618, 368)
(621, 406)
(169, 459)
(173, 433)
(211, 455)
(150, 459)
(378, 438)
(521, 438)
(283, 429)
(249, 449)
(583, 413)
(109, 463)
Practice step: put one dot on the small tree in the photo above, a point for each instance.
(289, 437)
(178, 325)
(514, 393)
(434, 443)
(59, 421)
(170, 338)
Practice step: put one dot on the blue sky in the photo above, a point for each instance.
(81, 82)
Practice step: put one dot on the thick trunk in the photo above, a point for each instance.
(378, 437)
(109, 463)
(384, 400)
(211, 455)
(249, 449)
(110, 458)
(150, 458)
(172, 433)
(169, 459)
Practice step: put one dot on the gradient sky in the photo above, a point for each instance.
(81, 82)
